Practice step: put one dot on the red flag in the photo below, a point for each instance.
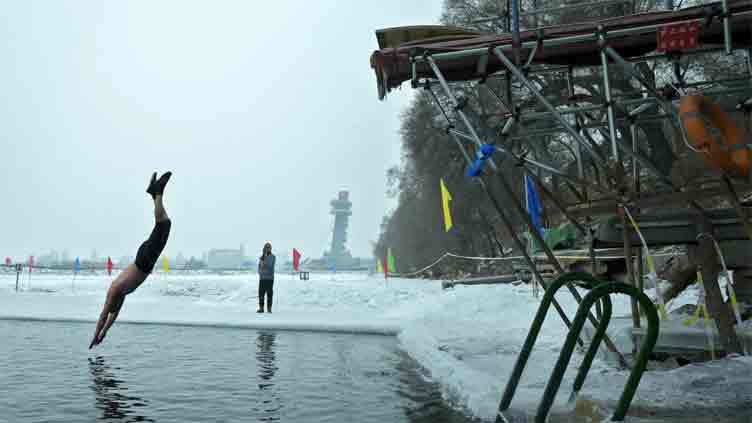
(8, 261)
(31, 263)
(386, 267)
(295, 259)
(109, 266)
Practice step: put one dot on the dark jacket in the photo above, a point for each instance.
(266, 267)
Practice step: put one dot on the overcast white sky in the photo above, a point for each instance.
(263, 111)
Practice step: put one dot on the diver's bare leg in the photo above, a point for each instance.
(160, 214)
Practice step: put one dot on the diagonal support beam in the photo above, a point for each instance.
(516, 201)
(456, 104)
(577, 181)
(510, 228)
(630, 69)
(532, 162)
(517, 205)
(550, 107)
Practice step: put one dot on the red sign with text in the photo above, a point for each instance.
(680, 36)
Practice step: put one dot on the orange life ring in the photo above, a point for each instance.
(713, 132)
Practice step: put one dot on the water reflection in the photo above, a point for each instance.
(110, 397)
(268, 402)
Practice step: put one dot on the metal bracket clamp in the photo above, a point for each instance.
(711, 12)
(744, 106)
(600, 37)
(538, 47)
(675, 58)
(483, 66)
(520, 160)
(461, 103)
(412, 54)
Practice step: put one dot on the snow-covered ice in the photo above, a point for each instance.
(467, 338)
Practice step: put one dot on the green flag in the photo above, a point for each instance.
(390, 261)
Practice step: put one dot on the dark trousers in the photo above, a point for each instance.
(266, 288)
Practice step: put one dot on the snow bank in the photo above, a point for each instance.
(468, 338)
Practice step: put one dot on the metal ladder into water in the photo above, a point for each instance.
(599, 290)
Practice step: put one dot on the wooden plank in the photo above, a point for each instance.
(487, 280)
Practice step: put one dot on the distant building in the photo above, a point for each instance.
(180, 260)
(49, 259)
(225, 259)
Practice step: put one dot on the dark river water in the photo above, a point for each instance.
(194, 374)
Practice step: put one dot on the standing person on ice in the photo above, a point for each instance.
(135, 274)
(266, 278)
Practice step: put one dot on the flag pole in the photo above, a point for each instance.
(31, 264)
(530, 249)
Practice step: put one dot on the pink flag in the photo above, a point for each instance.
(31, 263)
(8, 261)
(109, 266)
(386, 268)
(295, 259)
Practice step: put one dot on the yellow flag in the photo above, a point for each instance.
(165, 265)
(379, 267)
(446, 197)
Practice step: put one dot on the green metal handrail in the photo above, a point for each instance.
(602, 291)
(599, 291)
(532, 335)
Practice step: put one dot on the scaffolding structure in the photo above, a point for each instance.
(611, 45)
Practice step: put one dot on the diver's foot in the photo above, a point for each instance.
(157, 188)
(152, 182)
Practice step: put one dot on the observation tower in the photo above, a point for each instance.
(342, 210)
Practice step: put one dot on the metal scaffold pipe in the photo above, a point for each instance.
(726, 27)
(550, 107)
(455, 103)
(607, 92)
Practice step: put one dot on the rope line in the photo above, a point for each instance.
(729, 284)
(476, 258)
(652, 274)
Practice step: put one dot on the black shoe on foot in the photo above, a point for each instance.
(157, 188)
(261, 310)
(152, 181)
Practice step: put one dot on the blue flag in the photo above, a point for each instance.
(77, 266)
(534, 208)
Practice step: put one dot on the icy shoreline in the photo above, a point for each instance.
(467, 338)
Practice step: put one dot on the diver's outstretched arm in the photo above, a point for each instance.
(112, 304)
(111, 317)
